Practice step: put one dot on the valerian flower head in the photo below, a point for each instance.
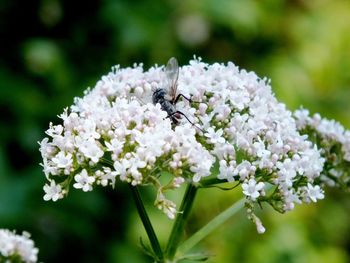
(335, 142)
(17, 248)
(115, 132)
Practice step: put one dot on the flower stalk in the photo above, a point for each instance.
(147, 224)
(180, 221)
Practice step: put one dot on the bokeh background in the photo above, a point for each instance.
(51, 50)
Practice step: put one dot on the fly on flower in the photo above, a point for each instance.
(167, 96)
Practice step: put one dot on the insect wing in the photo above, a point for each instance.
(172, 75)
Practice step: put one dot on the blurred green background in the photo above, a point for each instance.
(52, 50)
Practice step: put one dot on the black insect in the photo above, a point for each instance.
(167, 96)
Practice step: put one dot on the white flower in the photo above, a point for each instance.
(252, 189)
(239, 99)
(201, 170)
(84, 181)
(311, 162)
(121, 168)
(302, 117)
(89, 130)
(137, 163)
(167, 206)
(226, 171)
(331, 135)
(115, 146)
(63, 160)
(90, 150)
(105, 177)
(178, 181)
(244, 169)
(53, 191)
(287, 172)
(18, 246)
(259, 226)
(214, 136)
(314, 192)
(260, 149)
(71, 121)
(47, 149)
(55, 130)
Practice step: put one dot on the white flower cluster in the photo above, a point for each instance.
(17, 248)
(115, 131)
(334, 140)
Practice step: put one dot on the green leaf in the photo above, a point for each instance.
(195, 257)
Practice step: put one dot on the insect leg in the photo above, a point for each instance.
(188, 99)
(183, 114)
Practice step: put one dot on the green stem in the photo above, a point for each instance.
(179, 224)
(210, 182)
(208, 228)
(147, 223)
